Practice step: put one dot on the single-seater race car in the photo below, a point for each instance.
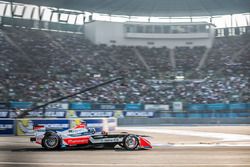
(81, 135)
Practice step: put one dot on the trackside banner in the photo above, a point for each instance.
(7, 127)
(4, 113)
(94, 113)
(55, 113)
(237, 106)
(177, 106)
(156, 107)
(218, 106)
(25, 126)
(49, 113)
(196, 107)
(108, 106)
(64, 106)
(21, 105)
(80, 106)
(139, 113)
(3, 105)
(134, 107)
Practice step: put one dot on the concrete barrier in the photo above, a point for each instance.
(180, 121)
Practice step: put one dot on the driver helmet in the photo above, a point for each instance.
(83, 123)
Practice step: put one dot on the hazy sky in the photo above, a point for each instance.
(219, 21)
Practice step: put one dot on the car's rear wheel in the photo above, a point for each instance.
(51, 141)
(130, 142)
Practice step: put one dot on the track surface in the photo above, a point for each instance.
(169, 150)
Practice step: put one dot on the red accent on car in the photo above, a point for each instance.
(37, 142)
(77, 140)
(144, 143)
(81, 125)
(38, 127)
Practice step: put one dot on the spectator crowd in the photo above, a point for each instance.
(40, 66)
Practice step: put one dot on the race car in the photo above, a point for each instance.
(81, 136)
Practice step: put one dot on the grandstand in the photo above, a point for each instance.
(35, 60)
(191, 62)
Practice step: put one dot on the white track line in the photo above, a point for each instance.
(111, 164)
(221, 136)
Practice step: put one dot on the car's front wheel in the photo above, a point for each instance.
(51, 141)
(130, 142)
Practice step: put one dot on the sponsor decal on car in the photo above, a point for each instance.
(77, 140)
(106, 140)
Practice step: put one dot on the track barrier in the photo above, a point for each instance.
(23, 127)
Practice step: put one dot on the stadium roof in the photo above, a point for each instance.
(149, 7)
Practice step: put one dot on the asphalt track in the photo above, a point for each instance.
(169, 150)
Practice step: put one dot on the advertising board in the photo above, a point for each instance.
(94, 113)
(134, 107)
(139, 113)
(25, 126)
(156, 107)
(7, 127)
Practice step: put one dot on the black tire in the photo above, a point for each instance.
(130, 142)
(51, 141)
